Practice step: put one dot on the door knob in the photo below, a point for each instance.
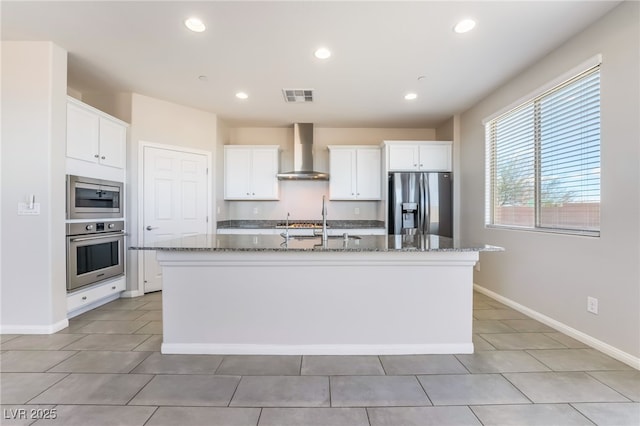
(149, 227)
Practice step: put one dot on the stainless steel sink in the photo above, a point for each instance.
(332, 237)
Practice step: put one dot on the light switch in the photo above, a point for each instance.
(24, 210)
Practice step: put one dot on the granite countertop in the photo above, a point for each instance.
(271, 224)
(271, 243)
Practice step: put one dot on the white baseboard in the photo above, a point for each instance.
(249, 349)
(565, 329)
(35, 329)
(132, 293)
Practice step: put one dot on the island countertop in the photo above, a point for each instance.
(276, 243)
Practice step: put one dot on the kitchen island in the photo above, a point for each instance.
(263, 294)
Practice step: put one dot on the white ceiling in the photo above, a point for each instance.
(379, 49)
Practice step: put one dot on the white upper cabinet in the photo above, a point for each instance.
(94, 136)
(355, 173)
(250, 172)
(432, 156)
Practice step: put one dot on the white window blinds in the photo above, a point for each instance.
(543, 160)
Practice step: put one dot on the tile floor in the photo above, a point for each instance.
(106, 369)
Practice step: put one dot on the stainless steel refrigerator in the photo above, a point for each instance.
(420, 203)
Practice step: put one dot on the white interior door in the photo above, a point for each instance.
(175, 201)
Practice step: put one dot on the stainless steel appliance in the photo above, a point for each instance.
(420, 203)
(95, 252)
(89, 198)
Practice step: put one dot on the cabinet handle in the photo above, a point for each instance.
(421, 165)
(96, 156)
(415, 165)
(103, 157)
(248, 193)
(113, 288)
(84, 297)
(253, 193)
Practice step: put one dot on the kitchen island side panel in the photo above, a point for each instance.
(324, 303)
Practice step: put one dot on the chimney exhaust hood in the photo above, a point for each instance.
(303, 155)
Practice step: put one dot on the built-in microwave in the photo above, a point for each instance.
(89, 198)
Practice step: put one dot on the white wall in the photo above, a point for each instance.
(223, 138)
(553, 274)
(33, 277)
(303, 198)
(115, 104)
(166, 123)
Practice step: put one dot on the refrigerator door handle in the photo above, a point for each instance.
(427, 212)
(421, 196)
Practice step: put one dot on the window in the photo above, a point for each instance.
(543, 160)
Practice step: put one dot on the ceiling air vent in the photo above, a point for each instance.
(298, 95)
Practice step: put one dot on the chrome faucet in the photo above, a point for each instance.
(285, 234)
(324, 219)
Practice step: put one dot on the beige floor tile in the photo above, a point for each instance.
(200, 416)
(314, 416)
(98, 389)
(377, 391)
(100, 362)
(515, 341)
(41, 341)
(31, 361)
(152, 327)
(564, 387)
(114, 327)
(108, 342)
(188, 390)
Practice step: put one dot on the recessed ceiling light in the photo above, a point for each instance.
(410, 96)
(322, 53)
(242, 95)
(195, 25)
(464, 26)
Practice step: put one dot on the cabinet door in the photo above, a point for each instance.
(264, 168)
(368, 174)
(403, 157)
(83, 133)
(435, 157)
(237, 166)
(113, 138)
(342, 167)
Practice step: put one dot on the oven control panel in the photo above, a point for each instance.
(94, 227)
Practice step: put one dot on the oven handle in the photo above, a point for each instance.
(97, 237)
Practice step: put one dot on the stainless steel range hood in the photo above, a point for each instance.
(303, 155)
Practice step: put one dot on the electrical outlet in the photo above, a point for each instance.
(356, 210)
(592, 305)
(255, 210)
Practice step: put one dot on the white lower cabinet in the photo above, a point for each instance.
(94, 296)
(355, 173)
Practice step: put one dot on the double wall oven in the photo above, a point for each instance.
(95, 231)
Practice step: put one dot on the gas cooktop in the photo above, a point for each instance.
(300, 225)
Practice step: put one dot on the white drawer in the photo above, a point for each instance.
(92, 296)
